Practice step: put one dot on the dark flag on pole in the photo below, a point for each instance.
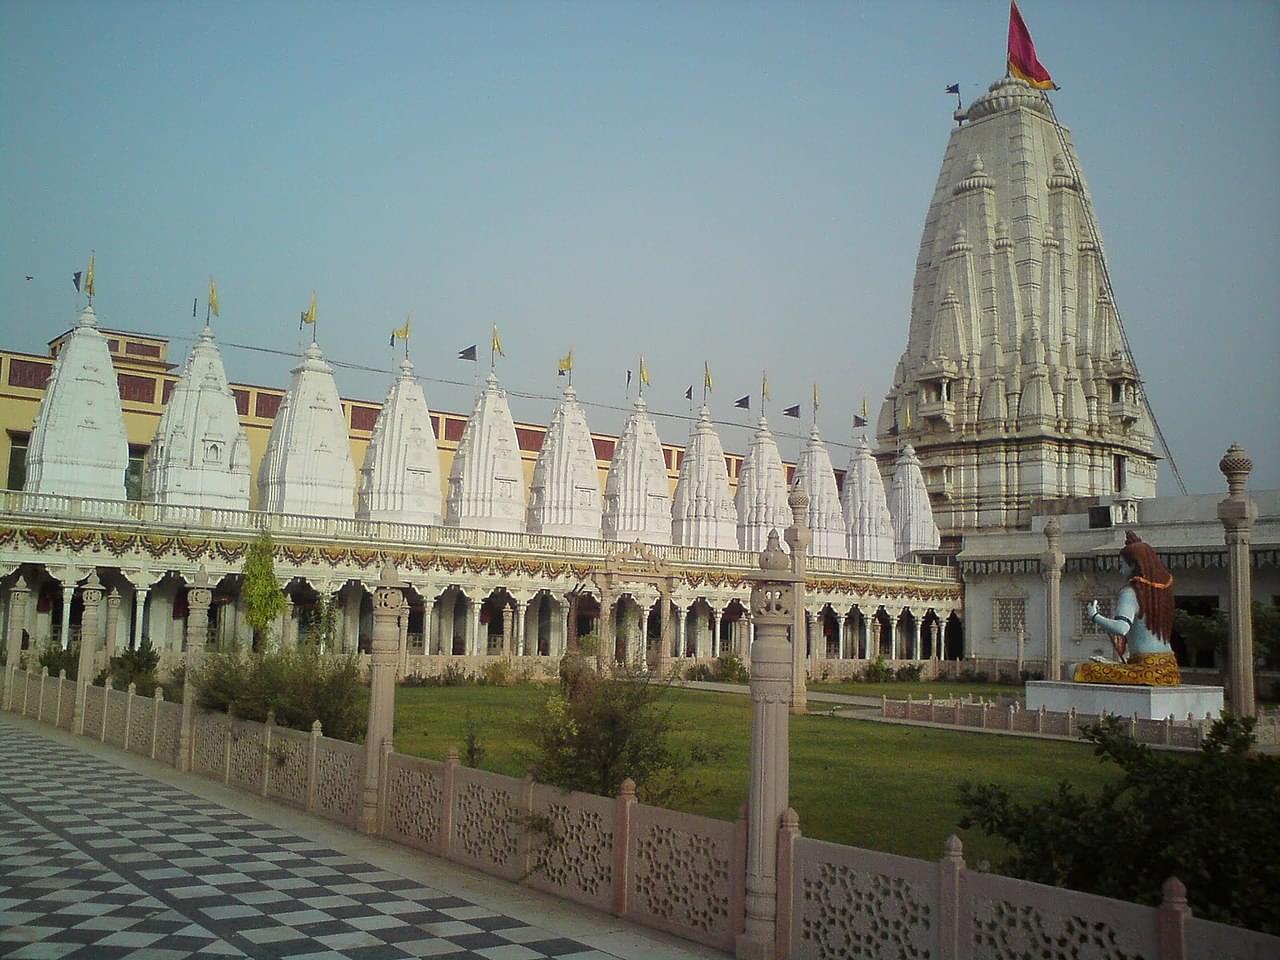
(469, 353)
(859, 421)
(194, 301)
(688, 394)
(75, 278)
(792, 412)
(954, 88)
(743, 403)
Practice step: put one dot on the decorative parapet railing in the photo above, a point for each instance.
(672, 871)
(23, 509)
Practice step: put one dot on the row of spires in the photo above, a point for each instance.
(200, 456)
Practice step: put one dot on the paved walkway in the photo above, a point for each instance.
(104, 854)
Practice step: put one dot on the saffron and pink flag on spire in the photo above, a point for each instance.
(1023, 62)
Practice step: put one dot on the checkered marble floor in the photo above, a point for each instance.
(99, 862)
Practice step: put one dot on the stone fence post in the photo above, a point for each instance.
(1237, 513)
(624, 806)
(1051, 563)
(387, 598)
(91, 596)
(198, 599)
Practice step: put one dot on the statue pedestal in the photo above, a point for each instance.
(1149, 703)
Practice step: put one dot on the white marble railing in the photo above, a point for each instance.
(188, 520)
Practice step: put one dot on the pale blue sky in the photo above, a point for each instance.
(744, 182)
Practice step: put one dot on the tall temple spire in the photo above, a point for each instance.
(702, 511)
(914, 529)
(762, 491)
(1010, 276)
(78, 445)
(564, 495)
(486, 481)
(307, 467)
(866, 509)
(400, 478)
(200, 455)
(637, 498)
(817, 478)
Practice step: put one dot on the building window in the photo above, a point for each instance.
(1009, 616)
(133, 472)
(17, 460)
(1118, 465)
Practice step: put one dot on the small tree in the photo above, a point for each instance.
(262, 594)
(1210, 821)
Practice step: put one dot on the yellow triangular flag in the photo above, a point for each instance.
(213, 298)
(706, 375)
(496, 345)
(402, 333)
(644, 371)
(566, 362)
(864, 406)
(907, 412)
(764, 385)
(310, 315)
(88, 277)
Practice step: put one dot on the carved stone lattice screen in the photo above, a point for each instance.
(572, 846)
(67, 706)
(140, 724)
(211, 732)
(289, 761)
(168, 728)
(117, 703)
(339, 777)
(246, 755)
(49, 708)
(415, 801)
(93, 700)
(1012, 919)
(863, 905)
(488, 823)
(1204, 938)
(681, 868)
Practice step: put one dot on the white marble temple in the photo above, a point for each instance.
(307, 467)
(400, 479)
(486, 481)
(637, 497)
(78, 445)
(564, 494)
(199, 455)
(816, 477)
(762, 491)
(868, 522)
(703, 512)
(913, 525)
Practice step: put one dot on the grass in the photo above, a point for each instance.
(918, 689)
(881, 786)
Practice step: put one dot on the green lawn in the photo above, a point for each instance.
(874, 785)
(919, 689)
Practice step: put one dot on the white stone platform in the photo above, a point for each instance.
(1149, 703)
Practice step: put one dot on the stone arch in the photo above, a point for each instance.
(856, 626)
(697, 629)
(497, 623)
(905, 635)
(883, 635)
(953, 637)
(735, 634)
(544, 620)
(828, 632)
(452, 621)
(930, 635)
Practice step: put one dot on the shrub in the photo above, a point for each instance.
(497, 673)
(263, 597)
(300, 685)
(473, 749)
(878, 672)
(454, 676)
(729, 668)
(57, 659)
(1210, 821)
(700, 672)
(137, 666)
(909, 672)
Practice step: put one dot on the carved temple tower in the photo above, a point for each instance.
(400, 478)
(702, 511)
(762, 491)
(78, 446)
(914, 528)
(307, 467)
(866, 508)
(816, 477)
(1015, 384)
(486, 481)
(637, 499)
(200, 456)
(564, 494)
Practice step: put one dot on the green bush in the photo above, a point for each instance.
(877, 672)
(909, 672)
(699, 672)
(57, 659)
(137, 666)
(497, 673)
(729, 668)
(299, 685)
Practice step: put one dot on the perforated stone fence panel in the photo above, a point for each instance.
(490, 820)
(572, 846)
(413, 810)
(289, 760)
(339, 779)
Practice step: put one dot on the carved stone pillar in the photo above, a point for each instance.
(18, 594)
(388, 596)
(681, 617)
(1238, 513)
(864, 635)
(798, 538)
(199, 596)
(1051, 563)
(286, 623)
(139, 612)
(478, 642)
(660, 662)
(518, 641)
(113, 624)
(774, 596)
(605, 651)
(91, 596)
(402, 623)
(715, 633)
(64, 629)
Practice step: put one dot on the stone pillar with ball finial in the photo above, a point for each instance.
(1238, 513)
(388, 595)
(1051, 563)
(798, 537)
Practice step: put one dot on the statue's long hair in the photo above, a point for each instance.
(1153, 583)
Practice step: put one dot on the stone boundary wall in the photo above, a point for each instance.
(673, 871)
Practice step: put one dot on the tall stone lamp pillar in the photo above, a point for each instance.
(388, 595)
(1051, 563)
(798, 538)
(199, 596)
(776, 593)
(91, 597)
(1238, 513)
